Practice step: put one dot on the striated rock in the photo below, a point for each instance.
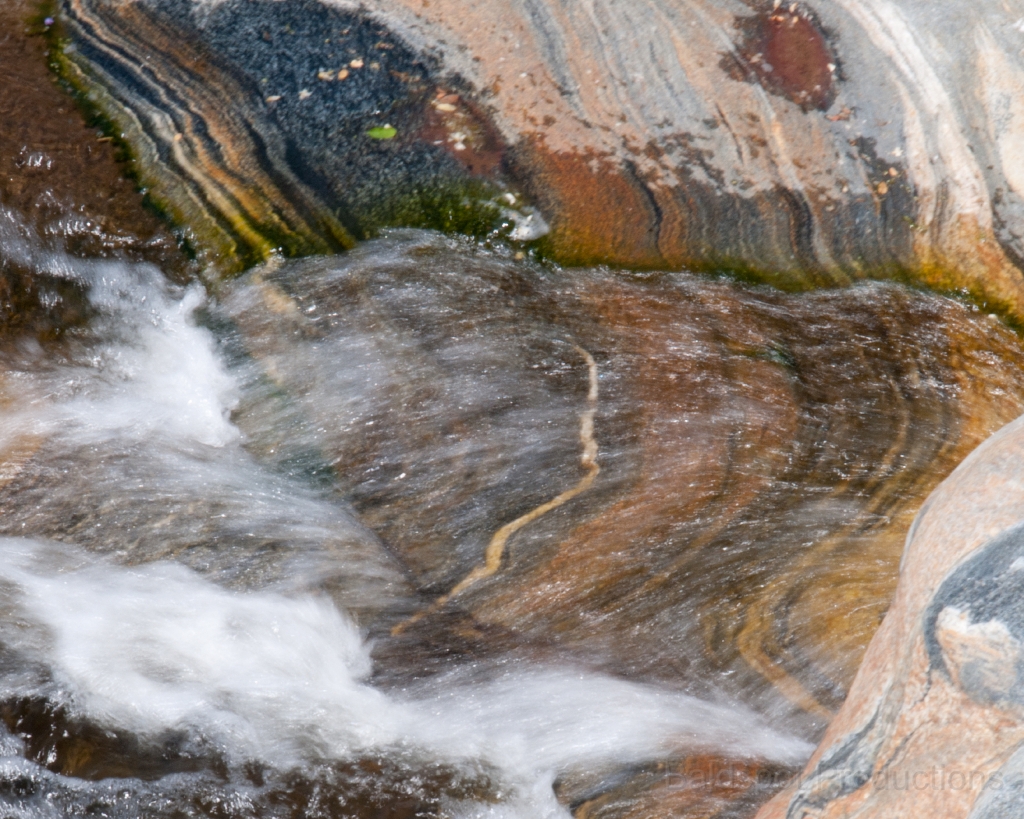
(805, 144)
(934, 724)
(59, 175)
(756, 471)
(228, 184)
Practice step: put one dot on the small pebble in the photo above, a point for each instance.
(356, 64)
(883, 189)
(447, 107)
(304, 94)
(343, 73)
(326, 76)
(274, 98)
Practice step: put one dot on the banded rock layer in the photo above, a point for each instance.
(804, 144)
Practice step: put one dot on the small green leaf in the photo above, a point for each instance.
(382, 132)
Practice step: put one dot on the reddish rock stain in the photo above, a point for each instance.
(787, 52)
(483, 149)
(599, 212)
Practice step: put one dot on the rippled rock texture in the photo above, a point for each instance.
(933, 725)
(756, 471)
(803, 144)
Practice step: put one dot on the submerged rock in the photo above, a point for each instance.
(805, 144)
(660, 477)
(933, 724)
(106, 443)
(756, 475)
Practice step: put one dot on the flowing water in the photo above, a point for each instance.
(237, 525)
(429, 528)
(190, 646)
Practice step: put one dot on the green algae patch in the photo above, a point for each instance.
(455, 207)
(382, 132)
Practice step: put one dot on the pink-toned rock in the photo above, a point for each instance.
(934, 722)
(805, 144)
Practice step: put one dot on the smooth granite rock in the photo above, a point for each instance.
(804, 144)
(934, 722)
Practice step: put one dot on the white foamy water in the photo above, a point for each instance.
(136, 454)
(253, 651)
(156, 372)
(282, 680)
(167, 382)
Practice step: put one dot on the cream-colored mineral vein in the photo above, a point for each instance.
(496, 548)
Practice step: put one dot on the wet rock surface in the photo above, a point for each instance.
(757, 472)
(58, 174)
(60, 182)
(401, 405)
(176, 775)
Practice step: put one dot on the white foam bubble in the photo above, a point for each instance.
(161, 377)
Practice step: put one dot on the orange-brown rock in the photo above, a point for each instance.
(61, 189)
(57, 174)
(760, 455)
(696, 787)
